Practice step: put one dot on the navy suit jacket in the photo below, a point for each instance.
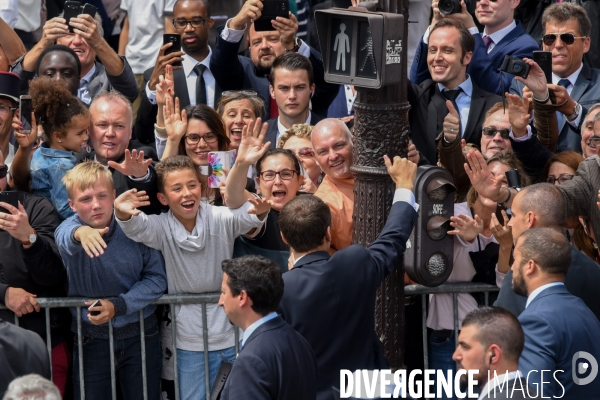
(429, 110)
(331, 300)
(557, 325)
(276, 362)
(339, 106)
(582, 280)
(484, 67)
(234, 72)
(273, 129)
(586, 92)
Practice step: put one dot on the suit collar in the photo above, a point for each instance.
(581, 84)
(311, 258)
(546, 290)
(510, 36)
(267, 326)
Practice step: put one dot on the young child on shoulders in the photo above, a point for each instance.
(126, 276)
(65, 120)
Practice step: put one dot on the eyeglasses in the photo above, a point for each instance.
(305, 152)
(491, 131)
(194, 138)
(285, 174)
(561, 179)
(5, 109)
(3, 171)
(183, 23)
(566, 38)
(593, 141)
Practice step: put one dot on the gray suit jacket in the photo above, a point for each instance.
(586, 92)
(124, 83)
(515, 389)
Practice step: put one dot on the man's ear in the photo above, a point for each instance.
(272, 91)
(71, 205)
(162, 198)
(312, 90)
(114, 195)
(282, 237)
(328, 234)
(467, 58)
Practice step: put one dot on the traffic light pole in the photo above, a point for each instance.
(381, 127)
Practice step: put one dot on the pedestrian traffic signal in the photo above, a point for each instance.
(361, 48)
(428, 258)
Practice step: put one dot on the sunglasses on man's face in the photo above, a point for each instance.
(3, 171)
(566, 38)
(491, 131)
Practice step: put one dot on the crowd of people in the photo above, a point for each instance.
(146, 171)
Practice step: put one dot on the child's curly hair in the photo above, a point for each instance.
(54, 105)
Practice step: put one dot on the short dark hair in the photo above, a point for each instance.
(258, 276)
(292, 62)
(212, 119)
(273, 152)
(562, 12)
(172, 164)
(303, 221)
(52, 49)
(467, 42)
(546, 201)
(548, 247)
(496, 325)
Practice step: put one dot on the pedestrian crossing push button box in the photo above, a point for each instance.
(361, 48)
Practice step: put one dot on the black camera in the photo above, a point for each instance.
(514, 66)
(448, 7)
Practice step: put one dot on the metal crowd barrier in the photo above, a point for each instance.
(454, 289)
(207, 298)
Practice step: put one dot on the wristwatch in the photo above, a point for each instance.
(297, 44)
(576, 112)
(31, 239)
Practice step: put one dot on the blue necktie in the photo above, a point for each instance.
(559, 116)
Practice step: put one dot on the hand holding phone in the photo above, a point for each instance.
(11, 198)
(175, 39)
(544, 60)
(72, 10)
(271, 10)
(26, 108)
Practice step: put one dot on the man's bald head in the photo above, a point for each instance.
(332, 143)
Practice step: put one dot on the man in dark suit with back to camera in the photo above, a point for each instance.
(560, 331)
(234, 72)
(491, 341)
(501, 36)
(275, 361)
(450, 100)
(331, 300)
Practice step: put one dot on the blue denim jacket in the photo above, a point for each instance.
(48, 166)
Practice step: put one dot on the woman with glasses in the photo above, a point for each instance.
(297, 139)
(280, 180)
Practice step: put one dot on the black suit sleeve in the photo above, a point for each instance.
(532, 154)
(143, 129)
(225, 65)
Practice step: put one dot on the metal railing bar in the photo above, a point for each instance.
(174, 344)
(80, 349)
(111, 344)
(49, 340)
(143, 350)
(205, 342)
(424, 328)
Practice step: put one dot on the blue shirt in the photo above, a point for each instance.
(255, 325)
(463, 102)
(48, 167)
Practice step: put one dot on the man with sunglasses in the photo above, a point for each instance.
(501, 36)
(9, 102)
(575, 86)
(234, 72)
(194, 82)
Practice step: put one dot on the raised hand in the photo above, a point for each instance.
(535, 81)
(252, 147)
(466, 227)
(251, 11)
(451, 126)
(162, 61)
(16, 223)
(260, 206)
(402, 171)
(91, 240)
(175, 121)
(165, 87)
(55, 29)
(287, 27)
(502, 232)
(127, 204)
(482, 180)
(85, 26)
(518, 114)
(564, 100)
(25, 139)
(133, 164)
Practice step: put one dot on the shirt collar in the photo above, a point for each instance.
(537, 291)
(189, 62)
(250, 330)
(499, 35)
(497, 381)
(572, 78)
(466, 86)
(282, 128)
(87, 77)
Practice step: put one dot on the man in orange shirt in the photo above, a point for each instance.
(332, 144)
